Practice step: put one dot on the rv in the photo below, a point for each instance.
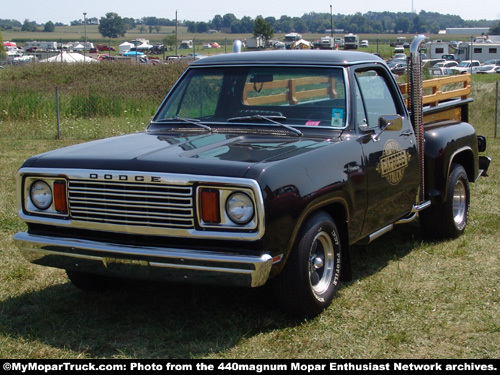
(481, 51)
(46, 46)
(291, 38)
(327, 42)
(186, 44)
(351, 41)
(339, 42)
(255, 42)
(436, 49)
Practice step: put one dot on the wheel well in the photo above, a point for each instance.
(339, 214)
(466, 159)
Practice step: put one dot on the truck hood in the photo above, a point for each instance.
(206, 154)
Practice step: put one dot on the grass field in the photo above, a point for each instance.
(410, 298)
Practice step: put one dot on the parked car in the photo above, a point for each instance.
(440, 71)
(488, 69)
(432, 62)
(446, 64)
(398, 68)
(495, 62)
(467, 66)
(399, 56)
(104, 47)
(449, 57)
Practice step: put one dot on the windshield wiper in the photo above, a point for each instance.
(270, 118)
(186, 120)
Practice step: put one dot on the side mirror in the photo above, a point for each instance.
(390, 123)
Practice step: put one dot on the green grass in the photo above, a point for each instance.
(409, 298)
(84, 91)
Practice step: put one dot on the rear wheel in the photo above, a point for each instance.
(449, 219)
(311, 275)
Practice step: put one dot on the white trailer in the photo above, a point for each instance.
(351, 41)
(327, 42)
(291, 38)
(186, 44)
(254, 43)
(481, 51)
(436, 49)
(47, 46)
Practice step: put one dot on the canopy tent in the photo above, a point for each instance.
(144, 47)
(70, 57)
(302, 44)
(78, 47)
(125, 47)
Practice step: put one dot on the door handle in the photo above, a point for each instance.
(406, 133)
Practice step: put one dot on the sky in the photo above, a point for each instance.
(66, 11)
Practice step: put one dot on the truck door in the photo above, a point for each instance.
(390, 156)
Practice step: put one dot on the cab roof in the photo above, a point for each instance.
(290, 57)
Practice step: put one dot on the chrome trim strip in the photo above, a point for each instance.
(193, 265)
(249, 233)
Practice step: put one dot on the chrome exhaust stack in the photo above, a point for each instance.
(237, 46)
(415, 104)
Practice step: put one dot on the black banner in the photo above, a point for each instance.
(256, 366)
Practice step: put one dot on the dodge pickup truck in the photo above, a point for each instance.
(258, 167)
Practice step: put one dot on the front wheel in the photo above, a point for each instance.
(449, 219)
(311, 275)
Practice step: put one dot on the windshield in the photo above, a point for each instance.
(258, 95)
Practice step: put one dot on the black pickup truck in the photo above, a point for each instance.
(258, 167)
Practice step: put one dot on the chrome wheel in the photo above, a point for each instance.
(448, 219)
(322, 263)
(311, 276)
(459, 202)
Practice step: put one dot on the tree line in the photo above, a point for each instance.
(113, 25)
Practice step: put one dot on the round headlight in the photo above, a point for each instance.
(239, 208)
(41, 195)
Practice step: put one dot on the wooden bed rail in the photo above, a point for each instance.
(440, 90)
(291, 95)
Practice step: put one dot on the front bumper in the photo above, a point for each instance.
(171, 264)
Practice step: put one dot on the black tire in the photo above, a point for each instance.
(311, 276)
(449, 219)
(89, 282)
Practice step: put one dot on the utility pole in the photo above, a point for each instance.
(85, 28)
(331, 21)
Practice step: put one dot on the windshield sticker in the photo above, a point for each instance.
(393, 162)
(312, 123)
(337, 117)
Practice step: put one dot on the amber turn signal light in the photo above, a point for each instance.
(60, 202)
(209, 205)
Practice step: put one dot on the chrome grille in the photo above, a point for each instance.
(131, 203)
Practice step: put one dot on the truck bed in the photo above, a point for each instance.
(444, 98)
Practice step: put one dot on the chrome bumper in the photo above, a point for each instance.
(170, 264)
